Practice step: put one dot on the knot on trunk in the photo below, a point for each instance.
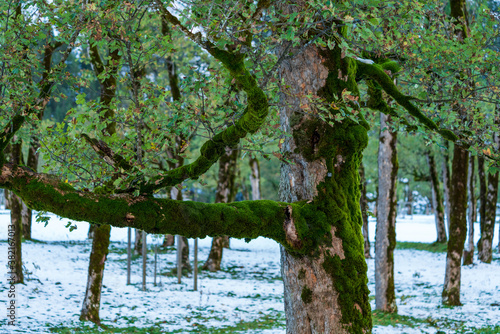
(290, 231)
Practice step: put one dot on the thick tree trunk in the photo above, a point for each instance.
(485, 243)
(471, 216)
(15, 262)
(437, 199)
(385, 236)
(225, 194)
(458, 227)
(325, 292)
(255, 178)
(92, 300)
(364, 210)
(446, 184)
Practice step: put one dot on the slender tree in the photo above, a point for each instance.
(385, 237)
(472, 213)
(458, 190)
(15, 228)
(226, 192)
(436, 198)
(485, 243)
(363, 201)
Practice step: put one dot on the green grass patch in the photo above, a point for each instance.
(266, 321)
(429, 247)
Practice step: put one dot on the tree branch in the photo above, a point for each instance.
(245, 219)
(376, 73)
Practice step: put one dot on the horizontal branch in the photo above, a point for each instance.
(377, 73)
(246, 219)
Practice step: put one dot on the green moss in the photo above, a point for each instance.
(302, 274)
(306, 295)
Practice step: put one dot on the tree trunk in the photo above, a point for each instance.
(409, 203)
(15, 263)
(446, 184)
(485, 243)
(90, 234)
(15, 228)
(26, 215)
(255, 178)
(92, 300)
(437, 199)
(458, 227)
(471, 217)
(168, 240)
(385, 236)
(138, 242)
(225, 194)
(325, 291)
(364, 210)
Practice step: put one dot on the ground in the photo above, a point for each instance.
(246, 297)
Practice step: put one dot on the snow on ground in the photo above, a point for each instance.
(248, 288)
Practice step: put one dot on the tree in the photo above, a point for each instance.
(226, 192)
(308, 58)
(436, 198)
(385, 237)
(472, 213)
(485, 243)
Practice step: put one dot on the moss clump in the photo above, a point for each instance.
(302, 274)
(306, 295)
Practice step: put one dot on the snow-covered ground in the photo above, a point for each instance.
(248, 288)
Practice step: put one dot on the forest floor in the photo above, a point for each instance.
(245, 297)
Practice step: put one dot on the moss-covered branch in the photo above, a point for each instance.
(251, 120)
(377, 73)
(246, 219)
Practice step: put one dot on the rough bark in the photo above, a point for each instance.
(485, 243)
(26, 215)
(254, 178)
(385, 236)
(472, 214)
(325, 291)
(437, 199)
(225, 194)
(92, 300)
(15, 261)
(363, 201)
(14, 203)
(458, 227)
(446, 185)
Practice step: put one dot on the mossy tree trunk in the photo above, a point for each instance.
(437, 199)
(458, 227)
(485, 243)
(472, 213)
(225, 194)
(325, 291)
(92, 300)
(385, 235)
(363, 202)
